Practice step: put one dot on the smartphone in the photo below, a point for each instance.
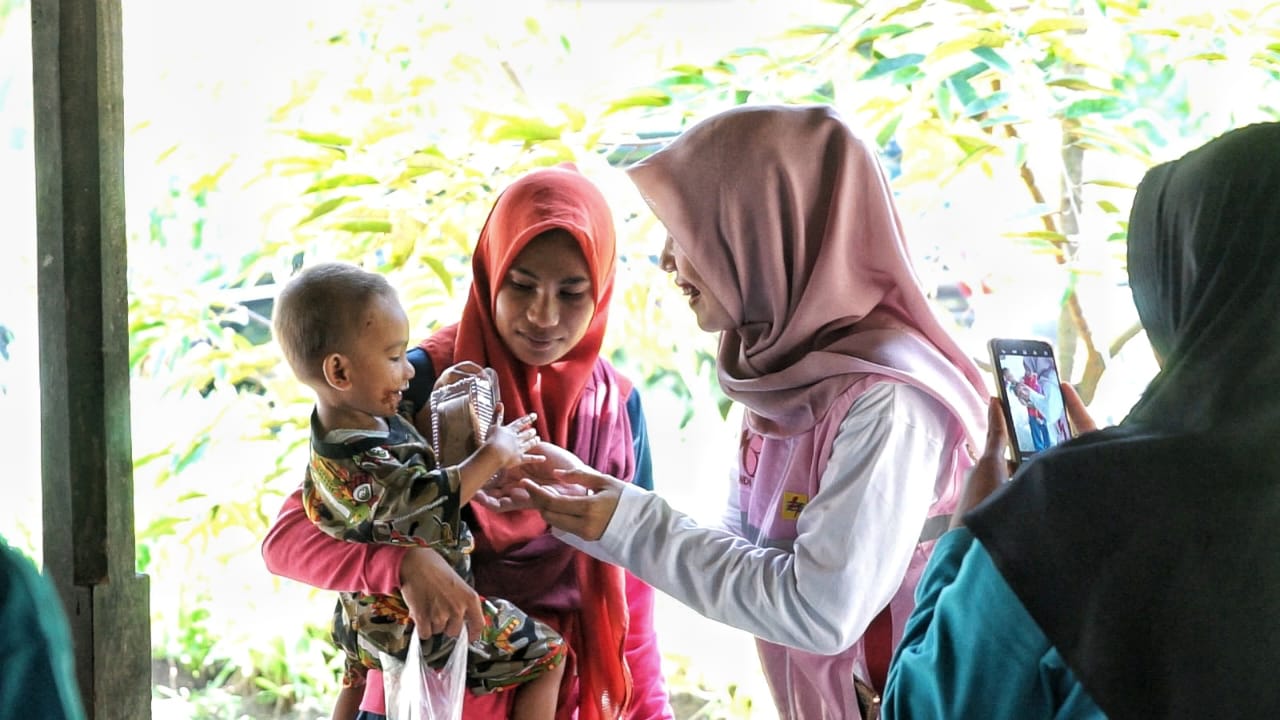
(1027, 381)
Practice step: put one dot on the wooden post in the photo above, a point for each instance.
(86, 454)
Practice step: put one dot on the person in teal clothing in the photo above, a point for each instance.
(1130, 572)
(970, 648)
(39, 679)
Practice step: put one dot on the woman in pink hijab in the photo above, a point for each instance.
(859, 408)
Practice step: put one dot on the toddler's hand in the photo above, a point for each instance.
(513, 441)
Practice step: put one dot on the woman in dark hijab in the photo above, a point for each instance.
(1135, 571)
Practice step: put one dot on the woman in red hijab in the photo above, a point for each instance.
(543, 273)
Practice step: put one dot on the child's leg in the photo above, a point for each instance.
(354, 673)
(518, 654)
(536, 699)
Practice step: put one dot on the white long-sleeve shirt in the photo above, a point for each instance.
(855, 537)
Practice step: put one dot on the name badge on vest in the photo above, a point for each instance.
(792, 504)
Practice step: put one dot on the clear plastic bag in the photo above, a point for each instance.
(415, 691)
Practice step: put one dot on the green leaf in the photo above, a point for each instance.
(151, 457)
(972, 41)
(889, 65)
(1092, 106)
(677, 81)
(979, 5)
(441, 272)
(298, 165)
(193, 453)
(963, 91)
(723, 67)
(1055, 24)
(904, 9)
(810, 30)
(209, 182)
(1046, 235)
(161, 527)
(1202, 21)
(982, 105)
(1079, 85)
(381, 129)
(1159, 32)
(327, 139)
(430, 157)
(886, 133)
(942, 96)
(326, 207)
(344, 180)
(747, 52)
(577, 120)
(971, 145)
(1110, 184)
(644, 97)
(1206, 56)
(1108, 207)
(993, 58)
(893, 30)
(410, 173)
(358, 226)
(525, 130)
(908, 75)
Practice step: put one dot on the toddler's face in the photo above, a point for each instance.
(379, 370)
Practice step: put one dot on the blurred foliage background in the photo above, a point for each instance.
(264, 135)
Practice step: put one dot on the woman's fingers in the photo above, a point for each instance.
(997, 433)
(586, 477)
(583, 507)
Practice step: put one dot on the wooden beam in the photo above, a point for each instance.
(86, 456)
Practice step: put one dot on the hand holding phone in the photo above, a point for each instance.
(1030, 396)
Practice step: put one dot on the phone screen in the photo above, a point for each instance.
(1027, 378)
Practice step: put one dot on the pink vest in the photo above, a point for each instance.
(778, 475)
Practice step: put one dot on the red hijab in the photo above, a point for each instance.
(579, 399)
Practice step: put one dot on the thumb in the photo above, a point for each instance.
(1077, 413)
(997, 433)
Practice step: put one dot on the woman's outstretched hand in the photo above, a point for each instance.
(507, 493)
(577, 500)
(581, 502)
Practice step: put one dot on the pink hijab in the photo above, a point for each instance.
(790, 221)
